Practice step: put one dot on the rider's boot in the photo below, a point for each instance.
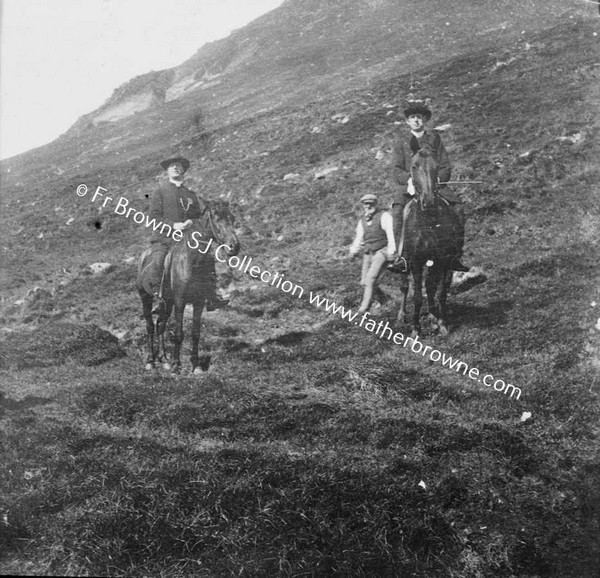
(215, 300)
(160, 305)
(458, 266)
(400, 264)
(460, 238)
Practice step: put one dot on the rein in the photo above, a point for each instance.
(210, 226)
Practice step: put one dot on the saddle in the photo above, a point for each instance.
(400, 264)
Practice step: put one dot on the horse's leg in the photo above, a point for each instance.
(418, 299)
(178, 337)
(404, 282)
(150, 342)
(196, 328)
(431, 288)
(161, 330)
(441, 297)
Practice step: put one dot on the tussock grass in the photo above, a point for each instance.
(57, 343)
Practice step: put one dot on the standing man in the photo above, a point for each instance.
(417, 115)
(175, 205)
(374, 234)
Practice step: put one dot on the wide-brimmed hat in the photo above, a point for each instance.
(417, 107)
(368, 198)
(184, 162)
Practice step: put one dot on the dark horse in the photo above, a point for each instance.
(430, 245)
(188, 268)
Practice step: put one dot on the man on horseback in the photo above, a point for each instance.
(417, 114)
(374, 234)
(175, 205)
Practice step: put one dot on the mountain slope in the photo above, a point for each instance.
(298, 52)
(312, 446)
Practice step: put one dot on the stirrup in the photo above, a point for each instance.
(399, 265)
(160, 306)
(216, 303)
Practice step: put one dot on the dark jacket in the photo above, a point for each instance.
(171, 204)
(402, 158)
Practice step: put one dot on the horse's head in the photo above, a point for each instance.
(221, 225)
(424, 172)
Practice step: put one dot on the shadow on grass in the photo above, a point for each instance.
(493, 315)
(6, 403)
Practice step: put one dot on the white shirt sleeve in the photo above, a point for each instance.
(358, 242)
(387, 224)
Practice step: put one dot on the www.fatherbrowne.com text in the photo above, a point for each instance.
(384, 331)
(244, 264)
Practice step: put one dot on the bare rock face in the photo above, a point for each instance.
(57, 343)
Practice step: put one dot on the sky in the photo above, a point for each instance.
(60, 59)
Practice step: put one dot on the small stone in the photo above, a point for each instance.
(325, 172)
(292, 178)
(101, 268)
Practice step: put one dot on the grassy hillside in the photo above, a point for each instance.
(312, 447)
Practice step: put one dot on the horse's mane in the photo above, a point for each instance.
(220, 207)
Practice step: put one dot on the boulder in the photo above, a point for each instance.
(462, 282)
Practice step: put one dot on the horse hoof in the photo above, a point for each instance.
(197, 371)
(149, 366)
(167, 366)
(415, 333)
(443, 329)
